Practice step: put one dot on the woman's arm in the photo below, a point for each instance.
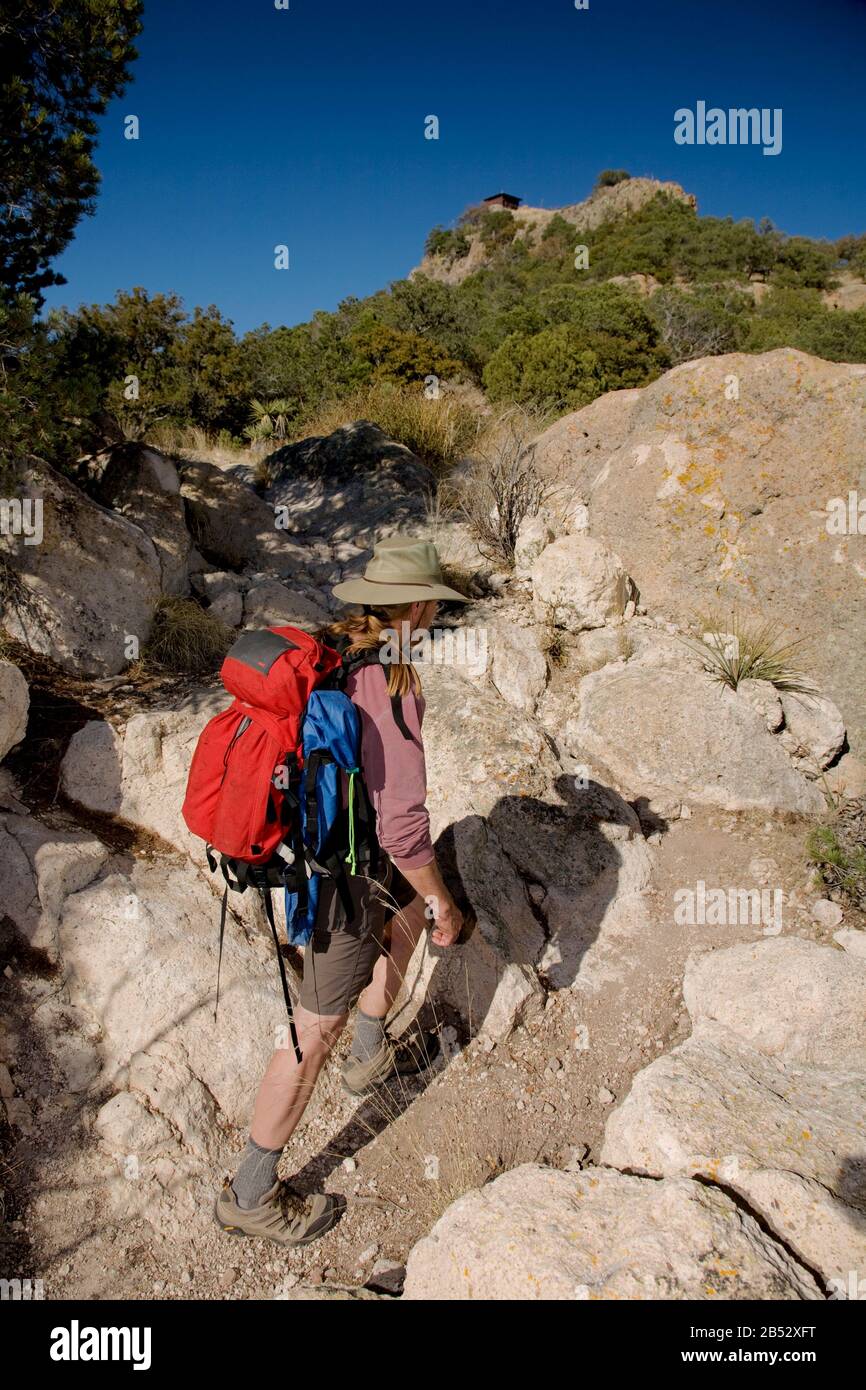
(395, 775)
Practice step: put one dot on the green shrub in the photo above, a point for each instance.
(798, 318)
(852, 251)
(838, 850)
(497, 227)
(667, 239)
(606, 341)
(609, 177)
(449, 245)
(392, 354)
(557, 243)
(46, 397)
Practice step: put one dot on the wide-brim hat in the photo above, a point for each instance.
(402, 570)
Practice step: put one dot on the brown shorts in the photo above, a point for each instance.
(339, 960)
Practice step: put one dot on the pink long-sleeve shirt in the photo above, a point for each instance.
(393, 767)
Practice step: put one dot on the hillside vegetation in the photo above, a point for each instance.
(538, 322)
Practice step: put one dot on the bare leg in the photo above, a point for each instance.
(406, 926)
(287, 1084)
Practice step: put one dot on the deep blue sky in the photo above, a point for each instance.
(306, 127)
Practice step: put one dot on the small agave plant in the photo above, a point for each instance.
(733, 649)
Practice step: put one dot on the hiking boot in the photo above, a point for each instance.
(282, 1215)
(405, 1058)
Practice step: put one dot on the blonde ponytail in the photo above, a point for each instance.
(368, 631)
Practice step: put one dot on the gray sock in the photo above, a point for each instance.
(256, 1175)
(369, 1033)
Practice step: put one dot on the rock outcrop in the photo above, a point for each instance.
(512, 822)
(89, 585)
(139, 770)
(41, 867)
(231, 525)
(536, 1233)
(141, 951)
(143, 485)
(688, 736)
(814, 732)
(355, 486)
(268, 603)
(518, 665)
(713, 484)
(579, 583)
(733, 1168)
(767, 1098)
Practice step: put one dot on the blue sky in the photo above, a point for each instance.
(305, 126)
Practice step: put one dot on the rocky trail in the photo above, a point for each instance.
(652, 1080)
(542, 1096)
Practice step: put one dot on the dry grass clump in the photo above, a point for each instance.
(185, 639)
(438, 431)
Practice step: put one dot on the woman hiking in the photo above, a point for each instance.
(362, 961)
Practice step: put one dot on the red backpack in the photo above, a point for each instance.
(242, 795)
(235, 803)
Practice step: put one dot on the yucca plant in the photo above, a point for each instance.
(732, 649)
(270, 420)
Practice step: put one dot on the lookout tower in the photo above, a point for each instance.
(502, 200)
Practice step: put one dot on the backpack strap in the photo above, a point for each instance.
(258, 875)
(371, 849)
(328, 861)
(220, 961)
(399, 717)
(311, 800)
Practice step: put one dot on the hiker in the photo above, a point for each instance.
(361, 959)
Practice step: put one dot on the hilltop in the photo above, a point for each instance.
(452, 264)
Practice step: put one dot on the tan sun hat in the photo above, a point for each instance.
(402, 570)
